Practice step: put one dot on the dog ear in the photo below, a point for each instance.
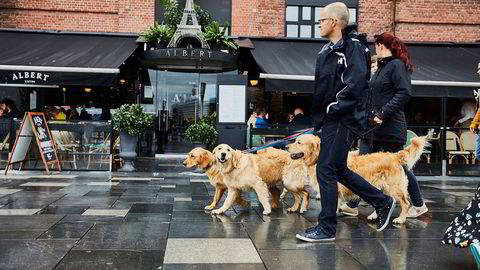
(236, 156)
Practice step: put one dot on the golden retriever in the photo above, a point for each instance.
(382, 170)
(243, 171)
(294, 176)
(203, 159)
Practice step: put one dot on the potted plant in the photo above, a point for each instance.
(216, 38)
(131, 121)
(201, 134)
(158, 35)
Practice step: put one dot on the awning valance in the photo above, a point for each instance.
(289, 66)
(41, 58)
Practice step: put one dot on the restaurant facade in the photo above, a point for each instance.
(53, 55)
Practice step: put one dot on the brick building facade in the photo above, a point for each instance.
(125, 16)
(412, 20)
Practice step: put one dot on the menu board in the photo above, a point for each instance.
(34, 125)
(231, 104)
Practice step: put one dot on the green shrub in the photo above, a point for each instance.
(201, 132)
(132, 119)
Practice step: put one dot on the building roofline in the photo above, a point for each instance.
(58, 32)
(416, 43)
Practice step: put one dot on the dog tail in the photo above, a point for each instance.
(411, 154)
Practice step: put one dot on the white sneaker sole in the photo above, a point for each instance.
(348, 214)
(388, 216)
(419, 213)
(298, 236)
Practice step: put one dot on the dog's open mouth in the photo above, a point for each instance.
(221, 160)
(296, 155)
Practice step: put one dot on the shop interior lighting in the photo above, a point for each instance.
(253, 82)
(88, 90)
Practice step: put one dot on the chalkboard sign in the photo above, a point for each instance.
(34, 125)
(44, 137)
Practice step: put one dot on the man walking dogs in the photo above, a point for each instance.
(341, 84)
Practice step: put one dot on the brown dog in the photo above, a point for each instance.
(382, 170)
(204, 160)
(294, 176)
(247, 171)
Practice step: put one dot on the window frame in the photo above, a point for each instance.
(313, 23)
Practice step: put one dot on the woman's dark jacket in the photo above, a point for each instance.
(391, 89)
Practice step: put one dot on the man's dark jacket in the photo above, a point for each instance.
(391, 88)
(341, 84)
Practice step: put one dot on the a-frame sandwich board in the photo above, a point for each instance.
(34, 125)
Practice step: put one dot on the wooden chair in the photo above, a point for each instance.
(103, 149)
(454, 148)
(468, 141)
(66, 145)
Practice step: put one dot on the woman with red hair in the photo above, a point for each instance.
(390, 88)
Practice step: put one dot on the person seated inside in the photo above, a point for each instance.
(300, 119)
(10, 109)
(262, 117)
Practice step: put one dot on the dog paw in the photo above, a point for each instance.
(303, 211)
(318, 196)
(372, 216)
(399, 220)
(291, 209)
(217, 212)
(267, 212)
(209, 207)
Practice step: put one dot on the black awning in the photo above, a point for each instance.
(283, 56)
(289, 66)
(39, 58)
(443, 62)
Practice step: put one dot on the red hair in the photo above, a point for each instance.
(397, 47)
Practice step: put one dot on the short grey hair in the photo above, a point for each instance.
(337, 10)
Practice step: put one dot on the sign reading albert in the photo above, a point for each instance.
(29, 77)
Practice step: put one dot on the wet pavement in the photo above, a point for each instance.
(156, 220)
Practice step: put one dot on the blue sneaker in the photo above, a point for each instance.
(314, 234)
(384, 215)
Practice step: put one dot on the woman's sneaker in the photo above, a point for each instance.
(347, 210)
(414, 211)
(475, 249)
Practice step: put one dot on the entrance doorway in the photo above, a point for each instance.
(180, 99)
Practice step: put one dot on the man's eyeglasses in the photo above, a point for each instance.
(322, 20)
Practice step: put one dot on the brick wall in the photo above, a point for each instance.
(83, 16)
(422, 20)
(412, 20)
(258, 18)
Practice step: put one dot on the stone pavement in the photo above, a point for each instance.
(156, 221)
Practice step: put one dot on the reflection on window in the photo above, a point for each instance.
(292, 30)
(305, 31)
(292, 14)
(306, 13)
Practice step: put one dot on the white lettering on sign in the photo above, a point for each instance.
(30, 76)
(193, 53)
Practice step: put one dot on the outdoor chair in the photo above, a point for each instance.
(454, 148)
(468, 141)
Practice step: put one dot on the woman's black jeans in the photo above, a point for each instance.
(367, 147)
(336, 140)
